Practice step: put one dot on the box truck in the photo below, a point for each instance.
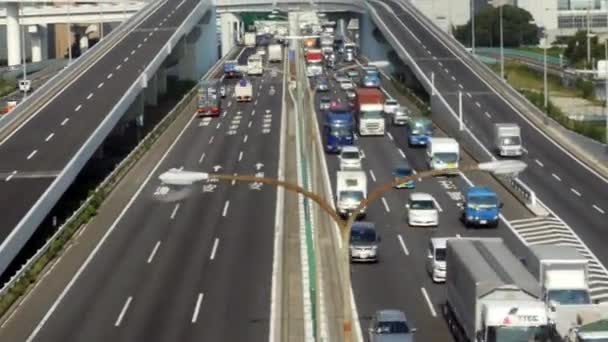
(491, 296)
(275, 53)
(443, 154)
(208, 98)
(243, 91)
(507, 140)
(368, 111)
(249, 39)
(351, 190)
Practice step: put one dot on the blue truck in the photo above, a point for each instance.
(481, 207)
(419, 131)
(338, 127)
(230, 69)
(371, 78)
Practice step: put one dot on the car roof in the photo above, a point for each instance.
(363, 225)
(325, 98)
(391, 100)
(391, 315)
(440, 242)
(350, 149)
(420, 196)
(481, 190)
(403, 165)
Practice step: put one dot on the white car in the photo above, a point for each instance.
(422, 210)
(261, 51)
(390, 106)
(346, 84)
(350, 158)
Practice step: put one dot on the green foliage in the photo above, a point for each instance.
(517, 29)
(586, 88)
(576, 51)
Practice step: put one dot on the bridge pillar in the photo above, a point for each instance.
(161, 81)
(13, 36)
(36, 42)
(151, 91)
(187, 62)
(229, 26)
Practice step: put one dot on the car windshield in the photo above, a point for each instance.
(510, 141)
(390, 102)
(422, 128)
(362, 235)
(350, 155)
(352, 195)
(440, 254)
(446, 157)
(569, 297)
(341, 131)
(371, 114)
(483, 202)
(397, 327)
(325, 101)
(403, 172)
(422, 205)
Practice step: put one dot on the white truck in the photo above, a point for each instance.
(243, 91)
(491, 297)
(442, 154)
(507, 140)
(275, 53)
(249, 39)
(255, 65)
(351, 189)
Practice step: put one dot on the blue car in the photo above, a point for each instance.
(481, 207)
(419, 131)
(404, 170)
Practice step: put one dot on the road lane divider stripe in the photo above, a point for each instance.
(77, 108)
(598, 209)
(174, 212)
(123, 312)
(153, 253)
(32, 154)
(200, 160)
(49, 137)
(575, 192)
(89, 96)
(214, 249)
(240, 156)
(245, 138)
(371, 173)
(428, 302)
(403, 247)
(539, 163)
(437, 205)
(197, 308)
(386, 207)
(556, 177)
(226, 205)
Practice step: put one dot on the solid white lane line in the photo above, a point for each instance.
(49, 137)
(575, 192)
(477, 104)
(428, 301)
(197, 307)
(214, 249)
(123, 311)
(401, 152)
(200, 160)
(390, 136)
(89, 96)
(110, 76)
(539, 163)
(488, 115)
(77, 108)
(556, 177)
(598, 209)
(32, 154)
(218, 125)
(437, 205)
(174, 212)
(211, 140)
(403, 247)
(100, 85)
(371, 173)
(11, 175)
(245, 138)
(388, 210)
(226, 205)
(65, 121)
(240, 155)
(118, 67)
(153, 253)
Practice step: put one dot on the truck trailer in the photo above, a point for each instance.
(491, 296)
(209, 101)
(275, 53)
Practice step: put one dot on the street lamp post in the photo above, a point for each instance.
(23, 56)
(472, 10)
(546, 90)
(185, 178)
(502, 52)
(69, 34)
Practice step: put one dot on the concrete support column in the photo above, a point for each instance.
(36, 42)
(13, 36)
(187, 62)
(44, 40)
(227, 28)
(161, 81)
(151, 92)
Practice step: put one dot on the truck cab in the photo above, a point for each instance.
(443, 154)
(351, 190)
(507, 140)
(481, 207)
(419, 131)
(338, 128)
(369, 107)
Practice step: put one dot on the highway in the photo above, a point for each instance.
(574, 194)
(37, 151)
(187, 264)
(400, 279)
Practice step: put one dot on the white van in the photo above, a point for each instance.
(351, 190)
(435, 259)
(442, 154)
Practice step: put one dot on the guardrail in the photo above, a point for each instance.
(55, 243)
(25, 228)
(41, 96)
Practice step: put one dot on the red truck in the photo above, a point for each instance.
(368, 111)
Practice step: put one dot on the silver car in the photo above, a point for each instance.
(364, 242)
(390, 326)
(401, 116)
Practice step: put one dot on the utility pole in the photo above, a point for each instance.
(69, 34)
(589, 34)
(502, 49)
(23, 56)
(473, 26)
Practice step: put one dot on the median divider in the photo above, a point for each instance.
(29, 272)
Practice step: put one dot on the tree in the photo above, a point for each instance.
(517, 28)
(576, 52)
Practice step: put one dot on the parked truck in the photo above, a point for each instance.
(249, 39)
(275, 53)
(338, 128)
(507, 140)
(368, 111)
(351, 190)
(491, 297)
(243, 91)
(209, 101)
